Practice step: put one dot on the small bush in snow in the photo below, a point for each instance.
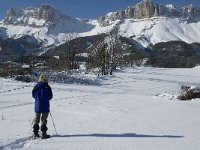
(189, 92)
(23, 78)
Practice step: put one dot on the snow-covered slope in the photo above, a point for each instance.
(152, 30)
(157, 24)
(160, 29)
(134, 109)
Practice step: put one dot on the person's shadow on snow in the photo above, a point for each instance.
(124, 135)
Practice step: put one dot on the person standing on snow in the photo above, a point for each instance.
(42, 94)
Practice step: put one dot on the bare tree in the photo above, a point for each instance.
(106, 53)
(114, 51)
(71, 50)
(98, 55)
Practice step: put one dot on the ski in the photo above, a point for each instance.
(33, 137)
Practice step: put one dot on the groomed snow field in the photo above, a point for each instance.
(135, 109)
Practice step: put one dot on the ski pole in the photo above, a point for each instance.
(53, 124)
(31, 127)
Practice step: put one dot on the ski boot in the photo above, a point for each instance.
(44, 132)
(45, 135)
(36, 131)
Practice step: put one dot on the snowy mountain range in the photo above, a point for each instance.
(146, 23)
(45, 24)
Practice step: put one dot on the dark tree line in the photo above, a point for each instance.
(107, 52)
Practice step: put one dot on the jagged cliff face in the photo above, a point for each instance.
(144, 9)
(147, 9)
(33, 16)
(48, 13)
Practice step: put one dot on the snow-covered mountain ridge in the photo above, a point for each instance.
(146, 23)
(147, 9)
(46, 24)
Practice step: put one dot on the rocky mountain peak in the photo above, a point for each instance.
(49, 13)
(13, 14)
(144, 9)
(33, 16)
(148, 9)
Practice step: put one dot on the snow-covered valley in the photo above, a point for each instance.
(136, 108)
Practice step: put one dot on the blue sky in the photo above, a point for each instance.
(84, 8)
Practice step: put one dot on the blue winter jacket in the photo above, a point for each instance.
(43, 94)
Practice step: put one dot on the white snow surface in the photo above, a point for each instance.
(136, 108)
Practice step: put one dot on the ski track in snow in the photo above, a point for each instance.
(19, 143)
(134, 109)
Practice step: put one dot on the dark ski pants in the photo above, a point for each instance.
(41, 116)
